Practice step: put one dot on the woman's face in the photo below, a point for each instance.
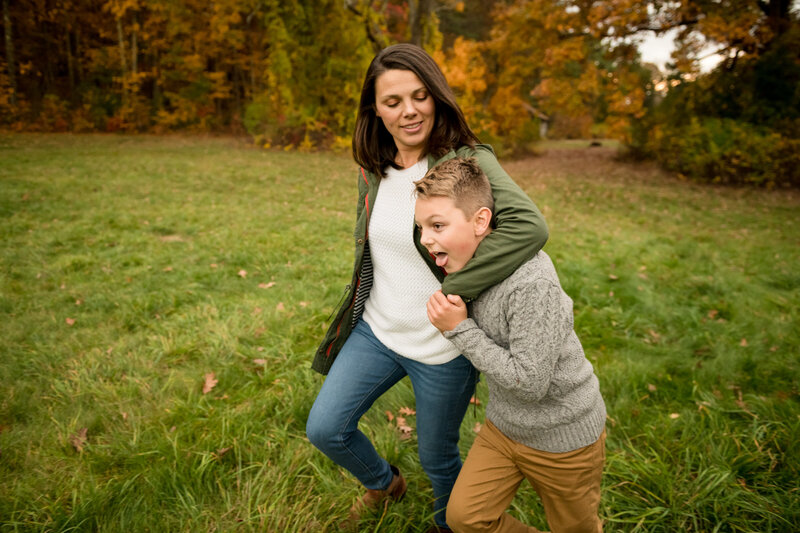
(406, 108)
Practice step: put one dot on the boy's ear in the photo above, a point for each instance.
(482, 221)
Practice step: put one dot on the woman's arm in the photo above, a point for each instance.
(520, 233)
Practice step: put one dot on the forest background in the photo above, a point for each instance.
(289, 73)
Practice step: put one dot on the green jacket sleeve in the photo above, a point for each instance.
(519, 234)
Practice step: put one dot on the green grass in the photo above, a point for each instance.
(121, 286)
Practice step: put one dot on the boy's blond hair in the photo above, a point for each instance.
(461, 180)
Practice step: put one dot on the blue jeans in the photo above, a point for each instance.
(362, 372)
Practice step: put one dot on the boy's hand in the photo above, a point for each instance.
(446, 312)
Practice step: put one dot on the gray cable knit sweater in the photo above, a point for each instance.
(542, 390)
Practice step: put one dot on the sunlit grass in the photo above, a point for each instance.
(133, 266)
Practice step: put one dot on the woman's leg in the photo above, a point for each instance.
(362, 372)
(442, 394)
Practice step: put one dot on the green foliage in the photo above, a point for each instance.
(739, 124)
(728, 151)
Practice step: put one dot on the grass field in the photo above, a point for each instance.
(134, 268)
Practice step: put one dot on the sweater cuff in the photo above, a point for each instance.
(464, 325)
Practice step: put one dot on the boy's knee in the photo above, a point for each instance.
(456, 516)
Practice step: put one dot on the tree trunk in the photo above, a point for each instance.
(418, 12)
(134, 48)
(121, 39)
(70, 68)
(10, 60)
(78, 67)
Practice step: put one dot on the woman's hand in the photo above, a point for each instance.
(446, 312)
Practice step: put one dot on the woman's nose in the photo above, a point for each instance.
(408, 108)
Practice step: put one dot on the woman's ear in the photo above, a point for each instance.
(482, 220)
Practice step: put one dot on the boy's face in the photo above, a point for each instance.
(447, 233)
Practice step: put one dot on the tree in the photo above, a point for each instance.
(10, 59)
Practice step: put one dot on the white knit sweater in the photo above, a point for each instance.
(402, 282)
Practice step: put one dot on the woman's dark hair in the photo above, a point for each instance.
(373, 146)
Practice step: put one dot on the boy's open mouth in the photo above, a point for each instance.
(441, 258)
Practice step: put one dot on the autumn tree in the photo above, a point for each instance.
(739, 123)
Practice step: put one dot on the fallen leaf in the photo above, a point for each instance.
(260, 349)
(713, 314)
(242, 273)
(407, 411)
(303, 304)
(743, 342)
(474, 400)
(260, 361)
(222, 451)
(172, 429)
(674, 415)
(405, 429)
(256, 311)
(78, 440)
(213, 265)
(266, 285)
(651, 387)
(477, 427)
(773, 349)
(280, 307)
(167, 269)
(209, 383)
(612, 277)
(124, 415)
(610, 294)
(78, 302)
(69, 321)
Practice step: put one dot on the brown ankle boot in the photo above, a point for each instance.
(374, 498)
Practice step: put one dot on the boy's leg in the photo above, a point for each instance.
(362, 372)
(487, 484)
(568, 485)
(442, 394)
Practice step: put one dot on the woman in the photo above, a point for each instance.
(408, 120)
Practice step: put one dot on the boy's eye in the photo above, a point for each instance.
(438, 226)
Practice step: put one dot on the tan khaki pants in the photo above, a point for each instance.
(567, 483)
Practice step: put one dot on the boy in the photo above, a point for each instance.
(545, 418)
